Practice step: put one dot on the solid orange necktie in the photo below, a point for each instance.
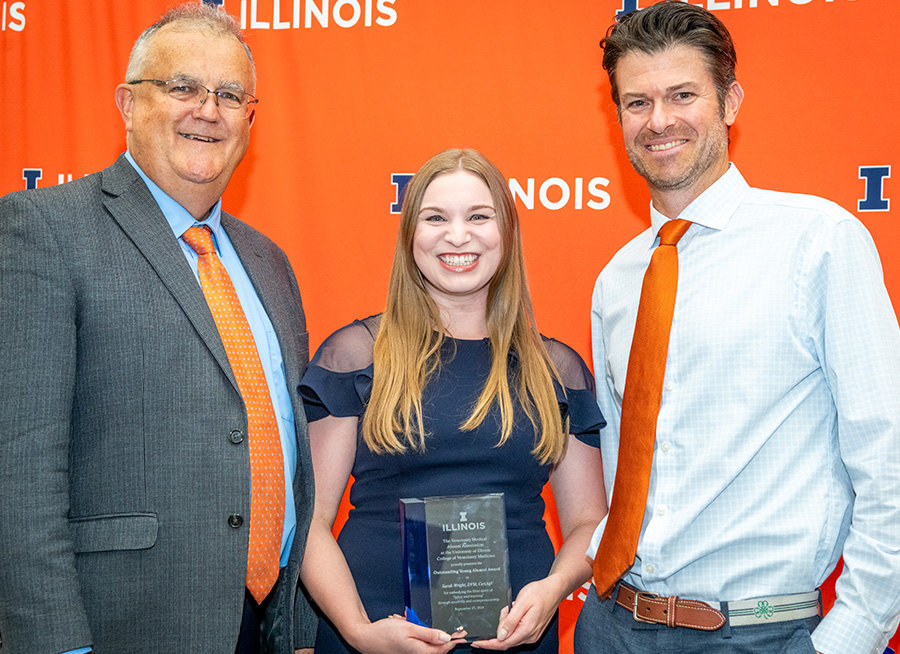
(640, 409)
(266, 457)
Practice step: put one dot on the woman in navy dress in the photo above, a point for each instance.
(451, 391)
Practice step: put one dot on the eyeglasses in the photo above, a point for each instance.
(184, 91)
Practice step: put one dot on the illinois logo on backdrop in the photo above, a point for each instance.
(874, 199)
(553, 193)
(306, 14)
(718, 5)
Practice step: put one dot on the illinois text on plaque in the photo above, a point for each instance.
(456, 562)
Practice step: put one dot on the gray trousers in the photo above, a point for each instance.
(605, 628)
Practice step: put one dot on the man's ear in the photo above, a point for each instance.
(733, 99)
(125, 104)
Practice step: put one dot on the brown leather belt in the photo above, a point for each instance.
(670, 611)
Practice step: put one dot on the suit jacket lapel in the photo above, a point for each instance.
(131, 205)
(267, 278)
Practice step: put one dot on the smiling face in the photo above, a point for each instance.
(675, 132)
(457, 243)
(189, 150)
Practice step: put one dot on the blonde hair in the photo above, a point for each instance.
(407, 347)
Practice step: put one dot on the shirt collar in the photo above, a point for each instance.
(714, 207)
(177, 216)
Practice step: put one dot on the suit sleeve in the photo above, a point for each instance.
(306, 622)
(41, 608)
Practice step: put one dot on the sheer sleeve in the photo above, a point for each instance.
(577, 400)
(338, 381)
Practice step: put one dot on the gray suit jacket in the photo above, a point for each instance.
(119, 466)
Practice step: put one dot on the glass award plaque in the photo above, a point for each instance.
(456, 562)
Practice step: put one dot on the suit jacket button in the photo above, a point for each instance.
(235, 520)
(236, 437)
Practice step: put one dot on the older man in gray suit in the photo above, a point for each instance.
(133, 417)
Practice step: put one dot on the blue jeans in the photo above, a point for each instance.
(605, 628)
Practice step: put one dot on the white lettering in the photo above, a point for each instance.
(724, 5)
(339, 17)
(256, 24)
(527, 197)
(277, 23)
(564, 198)
(344, 13)
(16, 20)
(595, 190)
(388, 13)
(599, 197)
(321, 13)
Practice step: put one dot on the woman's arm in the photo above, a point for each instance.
(325, 573)
(580, 496)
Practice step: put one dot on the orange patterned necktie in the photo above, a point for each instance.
(640, 409)
(266, 457)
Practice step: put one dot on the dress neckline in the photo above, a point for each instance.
(485, 339)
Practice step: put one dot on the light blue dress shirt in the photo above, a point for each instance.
(778, 438)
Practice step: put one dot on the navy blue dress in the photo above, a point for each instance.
(338, 382)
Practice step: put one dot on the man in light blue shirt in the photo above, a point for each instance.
(777, 445)
(124, 435)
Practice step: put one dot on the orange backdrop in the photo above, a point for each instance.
(355, 92)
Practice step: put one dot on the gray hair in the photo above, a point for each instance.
(192, 15)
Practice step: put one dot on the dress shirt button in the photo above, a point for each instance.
(236, 436)
(661, 509)
(651, 569)
(235, 520)
(669, 386)
(665, 446)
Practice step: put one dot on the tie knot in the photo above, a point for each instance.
(200, 239)
(672, 231)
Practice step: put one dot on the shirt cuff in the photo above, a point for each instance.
(843, 630)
